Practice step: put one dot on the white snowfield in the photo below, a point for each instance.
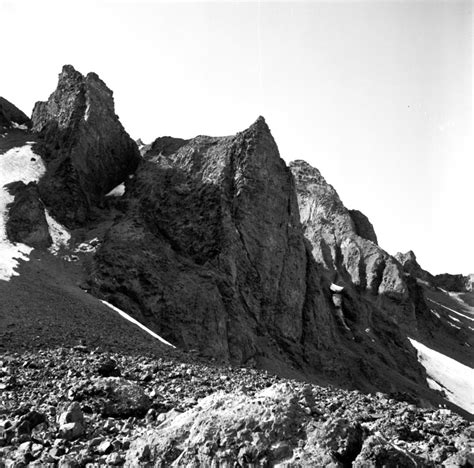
(136, 322)
(59, 235)
(447, 374)
(20, 164)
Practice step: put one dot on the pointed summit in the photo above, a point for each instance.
(88, 150)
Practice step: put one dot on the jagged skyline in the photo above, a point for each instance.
(376, 96)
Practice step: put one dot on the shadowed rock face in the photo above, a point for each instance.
(26, 218)
(10, 115)
(86, 148)
(210, 253)
(214, 252)
(344, 242)
(363, 226)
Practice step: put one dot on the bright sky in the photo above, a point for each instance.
(377, 95)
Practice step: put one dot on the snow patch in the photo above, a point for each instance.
(451, 310)
(335, 288)
(117, 191)
(435, 313)
(17, 164)
(454, 318)
(456, 379)
(136, 322)
(58, 233)
(19, 126)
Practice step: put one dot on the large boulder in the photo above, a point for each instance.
(264, 430)
(87, 150)
(26, 220)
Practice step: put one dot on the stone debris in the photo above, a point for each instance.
(58, 409)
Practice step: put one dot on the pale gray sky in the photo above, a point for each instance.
(376, 94)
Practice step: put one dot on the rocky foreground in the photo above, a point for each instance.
(76, 406)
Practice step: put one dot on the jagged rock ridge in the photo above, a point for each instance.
(344, 242)
(211, 254)
(85, 146)
(446, 281)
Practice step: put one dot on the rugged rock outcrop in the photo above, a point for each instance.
(11, 116)
(210, 253)
(344, 243)
(363, 227)
(412, 267)
(26, 220)
(446, 281)
(455, 283)
(213, 250)
(87, 150)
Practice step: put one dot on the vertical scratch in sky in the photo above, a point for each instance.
(260, 58)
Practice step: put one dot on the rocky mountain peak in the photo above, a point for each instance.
(86, 147)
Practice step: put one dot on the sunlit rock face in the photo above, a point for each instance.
(343, 241)
(86, 149)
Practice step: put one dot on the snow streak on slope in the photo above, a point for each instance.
(17, 164)
(58, 233)
(456, 379)
(136, 322)
(451, 310)
(117, 191)
(21, 164)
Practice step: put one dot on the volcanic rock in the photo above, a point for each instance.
(87, 150)
(11, 116)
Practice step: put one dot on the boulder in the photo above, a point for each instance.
(26, 221)
(87, 150)
(377, 451)
(121, 398)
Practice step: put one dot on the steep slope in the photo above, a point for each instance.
(211, 254)
(344, 242)
(86, 149)
(12, 117)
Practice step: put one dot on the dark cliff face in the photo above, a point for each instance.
(363, 227)
(336, 238)
(225, 262)
(11, 116)
(210, 253)
(85, 146)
